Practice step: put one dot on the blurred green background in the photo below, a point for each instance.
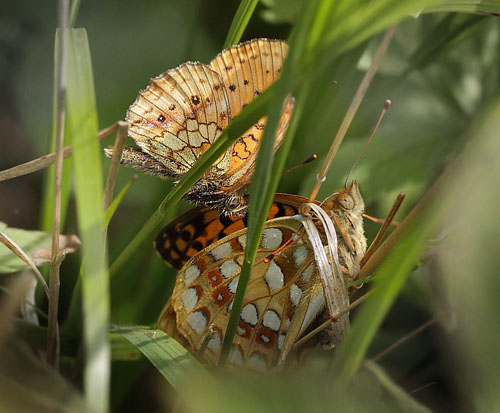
(441, 72)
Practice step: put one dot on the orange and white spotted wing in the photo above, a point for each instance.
(197, 228)
(246, 71)
(184, 110)
(282, 298)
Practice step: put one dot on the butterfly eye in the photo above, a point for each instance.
(346, 201)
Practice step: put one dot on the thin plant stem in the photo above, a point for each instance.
(47, 160)
(53, 344)
(383, 229)
(16, 249)
(121, 135)
(330, 321)
(351, 112)
(403, 340)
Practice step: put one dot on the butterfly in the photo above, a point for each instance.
(285, 295)
(184, 110)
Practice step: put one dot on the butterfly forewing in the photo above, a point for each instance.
(248, 69)
(182, 112)
(176, 120)
(200, 227)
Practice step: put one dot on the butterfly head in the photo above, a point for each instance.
(347, 199)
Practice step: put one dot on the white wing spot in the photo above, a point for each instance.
(249, 315)
(230, 306)
(229, 268)
(271, 238)
(265, 338)
(300, 255)
(240, 331)
(295, 294)
(214, 343)
(281, 340)
(257, 363)
(242, 239)
(197, 321)
(222, 251)
(190, 298)
(274, 277)
(191, 274)
(235, 357)
(271, 320)
(307, 273)
(233, 285)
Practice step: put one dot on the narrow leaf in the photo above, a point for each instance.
(240, 22)
(172, 360)
(82, 120)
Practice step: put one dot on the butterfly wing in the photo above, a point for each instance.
(276, 299)
(199, 227)
(247, 70)
(184, 110)
(179, 115)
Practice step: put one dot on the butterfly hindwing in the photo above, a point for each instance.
(206, 286)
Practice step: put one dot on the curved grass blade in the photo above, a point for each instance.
(440, 38)
(268, 172)
(118, 199)
(400, 398)
(172, 360)
(82, 120)
(240, 22)
(465, 6)
(393, 272)
(389, 280)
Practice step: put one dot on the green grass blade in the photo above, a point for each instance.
(172, 360)
(389, 279)
(465, 6)
(117, 200)
(440, 38)
(470, 263)
(401, 399)
(240, 22)
(75, 6)
(267, 175)
(249, 115)
(123, 349)
(82, 119)
(48, 188)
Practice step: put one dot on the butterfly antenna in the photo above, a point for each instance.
(313, 157)
(387, 105)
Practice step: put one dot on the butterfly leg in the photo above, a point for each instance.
(137, 159)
